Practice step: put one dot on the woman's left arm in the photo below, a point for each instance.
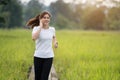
(55, 42)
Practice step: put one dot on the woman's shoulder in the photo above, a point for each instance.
(36, 27)
(51, 27)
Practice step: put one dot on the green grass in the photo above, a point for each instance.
(88, 55)
(16, 51)
(81, 55)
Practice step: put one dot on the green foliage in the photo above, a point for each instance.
(12, 13)
(64, 15)
(61, 22)
(32, 9)
(64, 23)
(5, 16)
(60, 8)
(94, 19)
(112, 21)
(2, 4)
(77, 15)
(84, 16)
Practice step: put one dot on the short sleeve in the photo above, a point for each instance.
(53, 31)
(34, 30)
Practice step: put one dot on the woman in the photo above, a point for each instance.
(43, 35)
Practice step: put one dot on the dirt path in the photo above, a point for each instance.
(52, 75)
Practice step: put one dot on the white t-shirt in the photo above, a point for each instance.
(43, 48)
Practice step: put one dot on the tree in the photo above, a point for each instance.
(63, 14)
(32, 9)
(2, 19)
(94, 19)
(112, 21)
(78, 13)
(64, 23)
(12, 14)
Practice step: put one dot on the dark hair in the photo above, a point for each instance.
(35, 21)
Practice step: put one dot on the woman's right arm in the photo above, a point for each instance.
(36, 34)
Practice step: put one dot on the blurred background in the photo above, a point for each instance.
(67, 14)
(88, 33)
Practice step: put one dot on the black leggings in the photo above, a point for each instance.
(42, 68)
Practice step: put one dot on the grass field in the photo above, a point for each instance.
(16, 51)
(81, 55)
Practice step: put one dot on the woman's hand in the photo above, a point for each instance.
(56, 44)
(41, 23)
(36, 34)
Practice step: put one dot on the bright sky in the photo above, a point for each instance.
(47, 2)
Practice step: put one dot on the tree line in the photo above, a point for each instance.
(14, 14)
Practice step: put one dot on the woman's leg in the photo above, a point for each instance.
(38, 65)
(46, 68)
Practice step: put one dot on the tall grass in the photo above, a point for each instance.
(16, 51)
(81, 55)
(88, 55)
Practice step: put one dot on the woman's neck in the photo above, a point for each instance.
(46, 26)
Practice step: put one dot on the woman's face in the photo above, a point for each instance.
(46, 19)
